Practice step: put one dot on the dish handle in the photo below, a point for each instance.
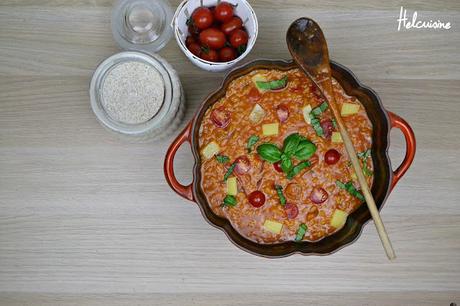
(400, 123)
(184, 191)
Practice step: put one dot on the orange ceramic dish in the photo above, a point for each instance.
(270, 169)
(312, 197)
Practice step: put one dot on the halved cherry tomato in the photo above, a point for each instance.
(327, 127)
(233, 24)
(202, 18)
(242, 165)
(331, 157)
(277, 166)
(291, 210)
(227, 54)
(238, 38)
(254, 95)
(256, 198)
(220, 117)
(209, 55)
(283, 112)
(195, 48)
(213, 38)
(318, 195)
(223, 11)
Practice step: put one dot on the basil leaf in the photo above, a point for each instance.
(305, 150)
(319, 109)
(251, 142)
(229, 171)
(269, 152)
(296, 170)
(222, 159)
(272, 85)
(350, 189)
(290, 144)
(364, 154)
(301, 232)
(286, 164)
(229, 200)
(279, 191)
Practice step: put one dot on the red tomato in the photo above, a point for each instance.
(291, 210)
(256, 198)
(189, 40)
(277, 166)
(202, 18)
(327, 127)
(254, 95)
(318, 195)
(220, 117)
(238, 38)
(195, 48)
(283, 112)
(210, 55)
(227, 54)
(242, 165)
(233, 24)
(213, 38)
(223, 11)
(331, 157)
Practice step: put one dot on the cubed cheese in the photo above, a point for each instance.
(336, 137)
(306, 113)
(257, 114)
(339, 217)
(273, 226)
(259, 78)
(349, 109)
(232, 187)
(270, 129)
(210, 150)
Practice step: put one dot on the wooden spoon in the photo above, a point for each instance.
(309, 50)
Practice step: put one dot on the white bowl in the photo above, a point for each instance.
(185, 10)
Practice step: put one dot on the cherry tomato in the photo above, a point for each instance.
(202, 18)
(195, 48)
(254, 95)
(293, 191)
(277, 166)
(242, 165)
(318, 195)
(331, 157)
(193, 30)
(283, 112)
(210, 55)
(291, 210)
(232, 25)
(238, 38)
(227, 54)
(189, 40)
(256, 198)
(220, 117)
(327, 127)
(213, 38)
(223, 11)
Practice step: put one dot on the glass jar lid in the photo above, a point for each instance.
(142, 25)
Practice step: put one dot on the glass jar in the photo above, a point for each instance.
(166, 118)
(142, 25)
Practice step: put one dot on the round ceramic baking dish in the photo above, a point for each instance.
(384, 177)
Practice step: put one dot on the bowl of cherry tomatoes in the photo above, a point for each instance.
(215, 35)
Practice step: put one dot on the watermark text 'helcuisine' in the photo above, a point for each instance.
(405, 23)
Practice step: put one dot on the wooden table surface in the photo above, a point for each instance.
(86, 218)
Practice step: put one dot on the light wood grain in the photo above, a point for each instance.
(86, 218)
